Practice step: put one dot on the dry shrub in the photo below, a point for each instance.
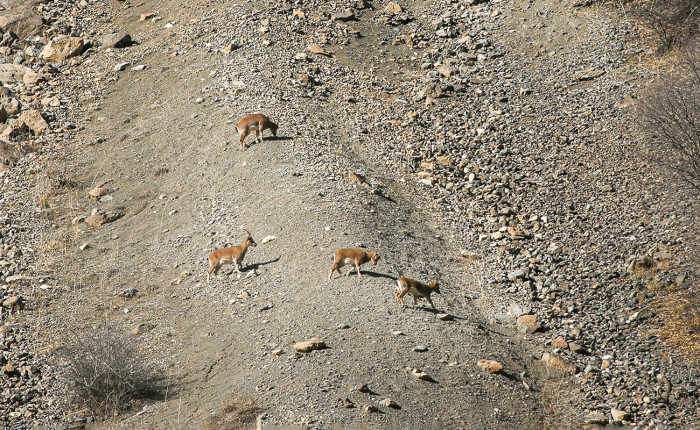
(673, 22)
(669, 116)
(240, 414)
(681, 322)
(105, 371)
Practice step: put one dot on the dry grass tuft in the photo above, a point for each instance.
(240, 414)
(105, 371)
(681, 322)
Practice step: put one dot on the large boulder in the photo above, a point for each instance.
(9, 154)
(34, 120)
(16, 73)
(62, 47)
(11, 106)
(23, 21)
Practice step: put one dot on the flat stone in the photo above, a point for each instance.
(10, 368)
(588, 74)
(13, 278)
(312, 344)
(490, 366)
(315, 49)
(344, 16)
(596, 418)
(121, 66)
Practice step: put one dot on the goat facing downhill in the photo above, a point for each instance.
(417, 289)
(254, 122)
(232, 255)
(354, 256)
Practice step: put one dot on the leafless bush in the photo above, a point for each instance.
(240, 414)
(673, 22)
(669, 115)
(105, 371)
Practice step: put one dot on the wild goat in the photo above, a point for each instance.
(255, 122)
(417, 289)
(356, 257)
(232, 255)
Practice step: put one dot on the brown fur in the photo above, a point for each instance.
(417, 289)
(357, 258)
(232, 255)
(255, 122)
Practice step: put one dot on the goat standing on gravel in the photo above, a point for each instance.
(417, 289)
(255, 122)
(233, 255)
(356, 257)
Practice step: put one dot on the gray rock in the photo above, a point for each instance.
(344, 16)
(116, 40)
(121, 66)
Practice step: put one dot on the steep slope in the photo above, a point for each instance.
(174, 169)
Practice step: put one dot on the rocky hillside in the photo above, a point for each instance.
(483, 144)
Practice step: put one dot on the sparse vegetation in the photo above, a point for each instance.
(54, 178)
(681, 322)
(105, 372)
(673, 22)
(240, 414)
(669, 115)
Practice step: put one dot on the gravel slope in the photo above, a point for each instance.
(473, 129)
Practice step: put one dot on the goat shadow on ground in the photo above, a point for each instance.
(268, 138)
(256, 266)
(375, 274)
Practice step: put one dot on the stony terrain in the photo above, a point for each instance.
(486, 145)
